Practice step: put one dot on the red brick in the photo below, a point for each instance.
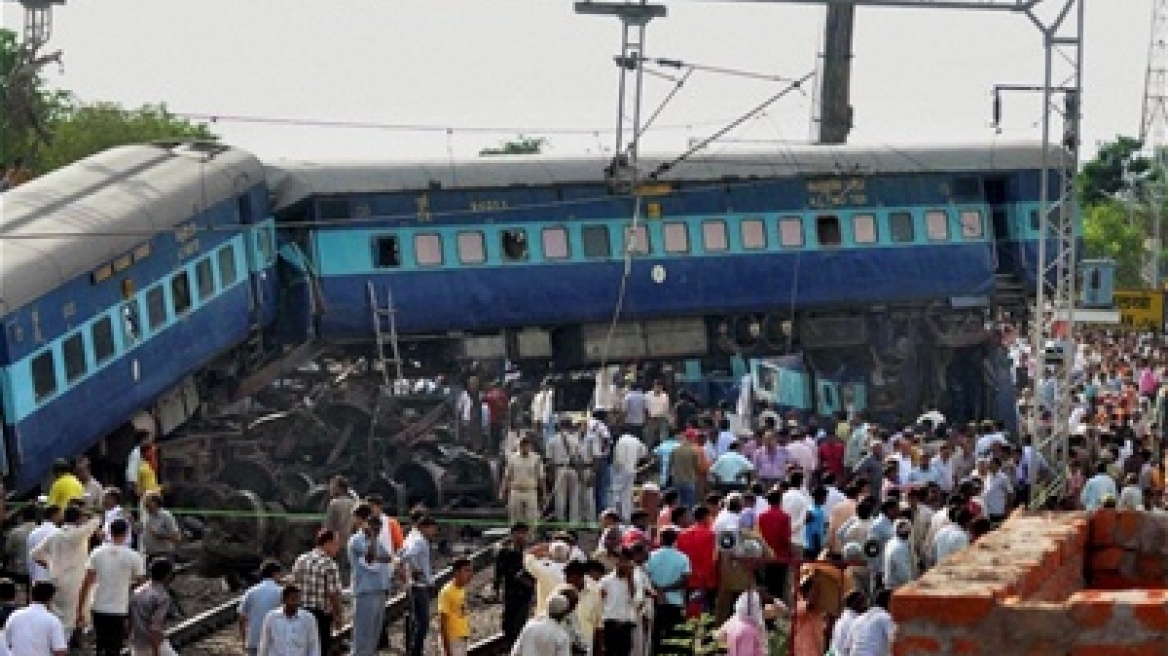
(965, 646)
(959, 608)
(1091, 609)
(1103, 527)
(1110, 581)
(916, 646)
(1152, 611)
(1108, 559)
(1128, 525)
(1154, 648)
(1150, 567)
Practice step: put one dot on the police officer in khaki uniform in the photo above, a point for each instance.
(523, 484)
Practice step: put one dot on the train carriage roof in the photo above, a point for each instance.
(71, 221)
(293, 181)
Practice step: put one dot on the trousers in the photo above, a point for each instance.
(419, 620)
(515, 613)
(324, 629)
(618, 638)
(656, 430)
(523, 506)
(368, 621)
(600, 484)
(567, 494)
(109, 633)
(622, 493)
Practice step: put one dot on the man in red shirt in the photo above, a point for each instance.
(831, 455)
(498, 406)
(698, 543)
(774, 525)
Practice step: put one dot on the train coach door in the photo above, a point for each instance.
(997, 197)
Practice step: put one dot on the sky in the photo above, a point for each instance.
(469, 67)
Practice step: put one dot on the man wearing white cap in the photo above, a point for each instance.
(545, 563)
(545, 635)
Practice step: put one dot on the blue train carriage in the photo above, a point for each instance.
(785, 383)
(522, 257)
(121, 276)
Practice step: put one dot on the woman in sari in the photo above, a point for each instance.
(744, 633)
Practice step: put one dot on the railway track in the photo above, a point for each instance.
(213, 621)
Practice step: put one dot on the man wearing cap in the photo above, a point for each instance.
(899, 565)
(65, 487)
(65, 553)
(545, 563)
(545, 635)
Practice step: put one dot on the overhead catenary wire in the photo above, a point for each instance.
(413, 127)
(701, 145)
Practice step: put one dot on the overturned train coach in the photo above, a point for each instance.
(141, 281)
(886, 264)
(126, 281)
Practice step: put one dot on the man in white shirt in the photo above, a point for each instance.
(545, 563)
(595, 480)
(941, 467)
(545, 635)
(66, 554)
(543, 411)
(623, 597)
(796, 503)
(291, 630)
(657, 422)
(998, 491)
(952, 537)
(113, 568)
(626, 453)
(872, 632)
(48, 527)
(33, 630)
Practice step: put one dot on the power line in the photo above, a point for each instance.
(410, 127)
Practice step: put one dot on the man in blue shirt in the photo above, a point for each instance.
(662, 452)
(261, 599)
(371, 564)
(816, 524)
(668, 569)
(415, 556)
(729, 469)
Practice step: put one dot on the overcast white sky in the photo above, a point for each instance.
(919, 75)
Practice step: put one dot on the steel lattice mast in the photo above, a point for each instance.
(1153, 129)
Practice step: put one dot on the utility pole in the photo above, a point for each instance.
(835, 77)
(1153, 126)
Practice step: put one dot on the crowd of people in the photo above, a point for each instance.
(751, 515)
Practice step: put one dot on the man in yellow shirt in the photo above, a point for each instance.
(66, 487)
(452, 609)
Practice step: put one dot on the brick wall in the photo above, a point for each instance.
(1045, 584)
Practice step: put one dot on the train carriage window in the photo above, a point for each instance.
(103, 340)
(155, 308)
(827, 230)
(676, 237)
(901, 227)
(44, 376)
(513, 243)
(73, 349)
(790, 232)
(555, 244)
(714, 237)
(428, 249)
(596, 241)
(753, 234)
(386, 252)
(864, 228)
(637, 240)
(180, 291)
(227, 271)
(243, 209)
(472, 248)
(205, 279)
(937, 225)
(267, 249)
(971, 224)
(1035, 221)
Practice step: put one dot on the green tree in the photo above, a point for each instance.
(1108, 232)
(520, 145)
(76, 130)
(1107, 175)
